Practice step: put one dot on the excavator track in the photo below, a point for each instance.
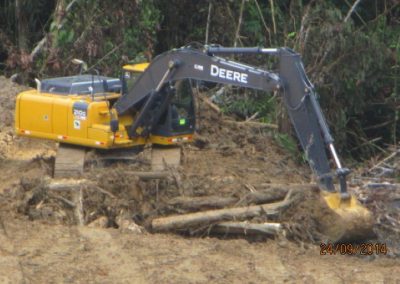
(163, 158)
(101, 157)
(70, 161)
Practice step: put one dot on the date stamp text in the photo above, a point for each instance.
(353, 249)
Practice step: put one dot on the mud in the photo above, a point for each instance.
(38, 228)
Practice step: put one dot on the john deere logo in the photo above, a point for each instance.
(227, 74)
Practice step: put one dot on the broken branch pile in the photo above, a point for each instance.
(258, 212)
(297, 211)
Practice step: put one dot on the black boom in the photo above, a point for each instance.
(297, 91)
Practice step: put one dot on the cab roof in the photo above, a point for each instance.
(80, 84)
(140, 67)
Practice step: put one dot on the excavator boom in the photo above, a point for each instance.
(297, 92)
(352, 221)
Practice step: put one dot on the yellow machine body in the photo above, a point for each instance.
(81, 119)
(78, 120)
(140, 67)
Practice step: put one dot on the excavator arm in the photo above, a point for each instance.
(152, 93)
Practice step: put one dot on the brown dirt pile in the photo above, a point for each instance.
(13, 148)
(226, 160)
(8, 95)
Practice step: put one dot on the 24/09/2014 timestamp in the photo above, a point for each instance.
(353, 249)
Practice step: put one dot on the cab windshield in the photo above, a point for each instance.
(130, 79)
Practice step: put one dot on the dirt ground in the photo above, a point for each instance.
(41, 243)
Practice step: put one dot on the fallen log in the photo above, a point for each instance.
(64, 200)
(78, 201)
(202, 202)
(246, 228)
(271, 192)
(266, 193)
(66, 184)
(74, 185)
(150, 175)
(71, 184)
(255, 124)
(190, 220)
(208, 102)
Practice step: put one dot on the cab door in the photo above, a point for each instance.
(179, 117)
(60, 116)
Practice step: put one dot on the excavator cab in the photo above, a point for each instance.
(171, 117)
(179, 117)
(132, 73)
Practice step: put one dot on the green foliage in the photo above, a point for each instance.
(36, 14)
(114, 32)
(246, 105)
(349, 65)
(291, 35)
(354, 64)
(253, 26)
(65, 37)
(288, 143)
(141, 35)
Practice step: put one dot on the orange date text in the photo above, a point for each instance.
(353, 249)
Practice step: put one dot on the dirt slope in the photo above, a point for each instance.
(38, 244)
(36, 253)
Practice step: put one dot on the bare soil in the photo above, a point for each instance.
(41, 243)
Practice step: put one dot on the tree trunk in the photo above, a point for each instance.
(202, 202)
(245, 228)
(265, 193)
(191, 220)
(284, 123)
(22, 25)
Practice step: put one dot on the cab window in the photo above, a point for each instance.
(130, 79)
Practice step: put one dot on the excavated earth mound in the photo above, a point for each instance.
(226, 160)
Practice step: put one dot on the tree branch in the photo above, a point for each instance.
(39, 47)
(263, 21)
(237, 34)
(271, 2)
(208, 20)
(351, 10)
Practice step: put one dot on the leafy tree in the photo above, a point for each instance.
(351, 49)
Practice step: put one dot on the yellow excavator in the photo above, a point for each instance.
(152, 103)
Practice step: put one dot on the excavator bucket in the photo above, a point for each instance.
(347, 220)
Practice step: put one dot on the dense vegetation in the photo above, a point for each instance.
(351, 49)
